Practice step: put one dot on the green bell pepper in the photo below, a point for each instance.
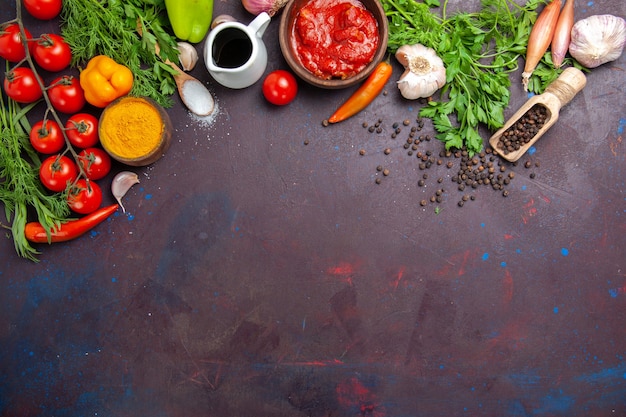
(190, 19)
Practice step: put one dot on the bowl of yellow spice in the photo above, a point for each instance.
(135, 131)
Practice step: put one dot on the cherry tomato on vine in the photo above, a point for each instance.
(43, 9)
(82, 130)
(84, 197)
(11, 47)
(280, 87)
(47, 138)
(56, 172)
(95, 162)
(66, 94)
(21, 85)
(52, 53)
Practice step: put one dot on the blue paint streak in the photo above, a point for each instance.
(555, 310)
(606, 375)
(532, 150)
(148, 196)
(502, 264)
(622, 123)
(555, 402)
(528, 378)
(614, 292)
(485, 256)
(564, 251)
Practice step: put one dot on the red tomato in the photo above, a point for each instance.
(84, 197)
(48, 138)
(21, 85)
(56, 172)
(82, 130)
(11, 47)
(66, 94)
(43, 9)
(95, 162)
(280, 87)
(52, 53)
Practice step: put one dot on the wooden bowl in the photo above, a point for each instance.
(285, 35)
(135, 131)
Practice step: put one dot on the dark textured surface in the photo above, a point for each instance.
(254, 275)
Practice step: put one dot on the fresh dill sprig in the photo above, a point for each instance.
(112, 28)
(20, 187)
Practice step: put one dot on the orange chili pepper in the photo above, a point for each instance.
(71, 229)
(362, 97)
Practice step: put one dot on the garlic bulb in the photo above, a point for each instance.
(187, 56)
(424, 71)
(598, 39)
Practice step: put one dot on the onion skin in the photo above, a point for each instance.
(562, 34)
(257, 7)
(540, 38)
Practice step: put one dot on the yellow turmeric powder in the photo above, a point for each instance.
(131, 128)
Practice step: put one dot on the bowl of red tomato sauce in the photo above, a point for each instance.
(333, 44)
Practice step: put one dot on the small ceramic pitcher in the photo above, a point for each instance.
(235, 54)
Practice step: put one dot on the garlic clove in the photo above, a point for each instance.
(187, 56)
(120, 185)
(223, 18)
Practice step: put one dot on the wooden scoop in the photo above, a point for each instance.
(195, 96)
(192, 92)
(560, 92)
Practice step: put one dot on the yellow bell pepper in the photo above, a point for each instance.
(104, 80)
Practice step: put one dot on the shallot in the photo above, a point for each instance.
(257, 7)
(120, 185)
(540, 38)
(562, 34)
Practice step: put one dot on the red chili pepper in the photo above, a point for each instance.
(71, 229)
(365, 94)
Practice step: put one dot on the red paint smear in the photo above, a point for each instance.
(452, 262)
(396, 282)
(530, 203)
(530, 210)
(508, 287)
(343, 270)
(315, 363)
(352, 394)
(508, 236)
(511, 337)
